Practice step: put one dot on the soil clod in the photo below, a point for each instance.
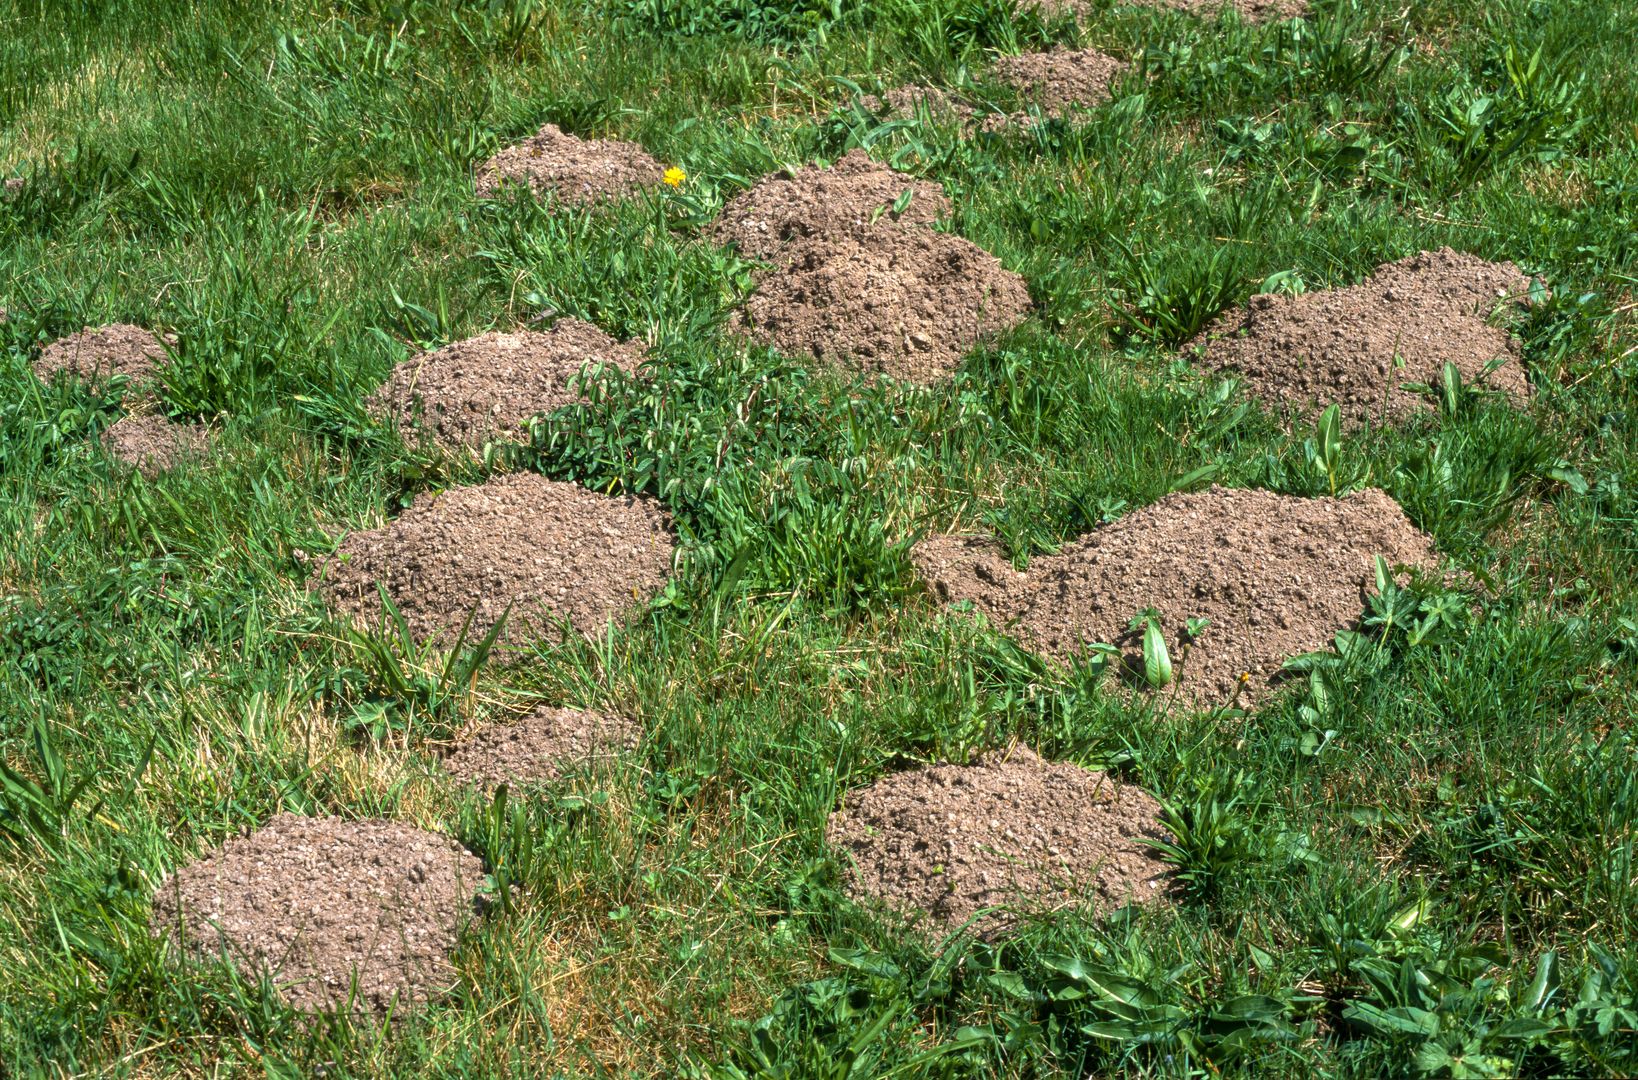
(945, 842)
(152, 444)
(543, 549)
(539, 747)
(322, 904)
(489, 387)
(1357, 346)
(853, 198)
(1275, 576)
(103, 353)
(580, 171)
(1061, 78)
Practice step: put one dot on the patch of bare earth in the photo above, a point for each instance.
(580, 171)
(859, 279)
(1275, 575)
(913, 100)
(489, 387)
(323, 905)
(152, 444)
(1251, 11)
(1357, 346)
(1060, 79)
(539, 747)
(856, 197)
(546, 550)
(945, 842)
(103, 352)
(910, 305)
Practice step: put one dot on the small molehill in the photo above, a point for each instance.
(549, 550)
(851, 199)
(152, 444)
(1275, 575)
(1358, 346)
(1252, 11)
(539, 747)
(908, 303)
(489, 387)
(914, 100)
(1060, 79)
(103, 353)
(945, 842)
(321, 905)
(580, 171)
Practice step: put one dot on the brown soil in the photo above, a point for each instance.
(550, 550)
(102, 353)
(912, 100)
(317, 903)
(1339, 345)
(1061, 78)
(490, 387)
(852, 199)
(1252, 11)
(540, 746)
(944, 842)
(1277, 575)
(910, 303)
(581, 171)
(152, 444)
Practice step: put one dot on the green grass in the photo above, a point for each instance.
(1426, 868)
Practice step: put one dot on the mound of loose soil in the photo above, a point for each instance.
(119, 349)
(851, 199)
(1252, 11)
(1359, 345)
(1276, 575)
(153, 444)
(540, 746)
(908, 303)
(947, 841)
(319, 903)
(912, 100)
(490, 387)
(1061, 78)
(550, 550)
(581, 171)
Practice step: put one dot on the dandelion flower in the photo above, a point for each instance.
(675, 176)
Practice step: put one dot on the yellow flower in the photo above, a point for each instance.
(675, 176)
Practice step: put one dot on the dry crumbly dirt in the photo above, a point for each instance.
(318, 902)
(1276, 575)
(945, 842)
(540, 746)
(103, 352)
(1061, 78)
(1302, 353)
(914, 100)
(580, 171)
(152, 444)
(1252, 11)
(489, 387)
(852, 198)
(908, 304)
(551, 550)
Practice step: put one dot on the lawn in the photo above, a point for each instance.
(1415, 857)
